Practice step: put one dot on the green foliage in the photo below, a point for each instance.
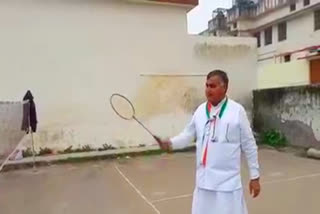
(87, 148)
(67, 150)
(27, 153)
(45, 151)
(274, 138)
(106, 147)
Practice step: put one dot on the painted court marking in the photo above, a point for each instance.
(263, 183)
(172, 198)
(292, 179)
(137, 190)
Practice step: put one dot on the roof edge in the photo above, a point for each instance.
(182, 3)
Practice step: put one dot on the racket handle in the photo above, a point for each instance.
(157, 139)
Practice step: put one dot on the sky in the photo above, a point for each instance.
(199, 16)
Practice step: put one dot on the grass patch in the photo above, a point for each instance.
(274, 138)
(106, 147)
(27, 153)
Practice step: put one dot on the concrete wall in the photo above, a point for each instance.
(73, 55)
(294, 111)
(284, 74)
(245, 24)
(10, 127)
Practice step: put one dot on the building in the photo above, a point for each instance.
(80, 52)
(286, 31)
(217, 26)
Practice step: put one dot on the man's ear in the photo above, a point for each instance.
(226, 88)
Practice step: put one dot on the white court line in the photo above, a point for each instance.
(267, 182)
(292, 179)
(172, 198)
(137, 190)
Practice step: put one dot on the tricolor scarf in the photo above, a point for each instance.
(208, 110)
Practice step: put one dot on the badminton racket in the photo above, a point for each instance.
(123, 107)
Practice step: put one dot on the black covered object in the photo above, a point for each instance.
(25, 117)
(29, 113)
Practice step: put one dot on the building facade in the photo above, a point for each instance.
(287, 31)
(217, 26)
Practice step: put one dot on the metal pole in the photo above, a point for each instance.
(7, 159)
(33, 152)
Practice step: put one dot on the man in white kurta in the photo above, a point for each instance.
(222, 132)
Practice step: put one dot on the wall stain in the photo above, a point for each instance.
(160, 95)
(292, 110)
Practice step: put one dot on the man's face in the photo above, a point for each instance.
(215, 89)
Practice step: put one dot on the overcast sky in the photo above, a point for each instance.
(199, 16)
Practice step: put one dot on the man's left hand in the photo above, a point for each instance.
(254, 187)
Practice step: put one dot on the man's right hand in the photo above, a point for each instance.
(164, 144)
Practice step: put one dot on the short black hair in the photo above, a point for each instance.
(223, 75)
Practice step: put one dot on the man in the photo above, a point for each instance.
(222, 132)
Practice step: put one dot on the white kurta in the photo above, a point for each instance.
(218, 182)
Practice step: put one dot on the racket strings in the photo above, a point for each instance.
(122, 106)
(124, 109)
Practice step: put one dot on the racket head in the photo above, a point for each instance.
(122, 106)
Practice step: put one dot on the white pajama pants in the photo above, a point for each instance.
(214, 202)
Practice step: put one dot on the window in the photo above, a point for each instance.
(317, 20)
(306, 2)
(287, 58)
(235, 25)
(268, 36)
(257, 35)
(293, 7)
(282, 31)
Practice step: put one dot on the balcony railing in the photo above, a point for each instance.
(238, 12)
(245, 9)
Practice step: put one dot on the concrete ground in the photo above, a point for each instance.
(153, 184)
